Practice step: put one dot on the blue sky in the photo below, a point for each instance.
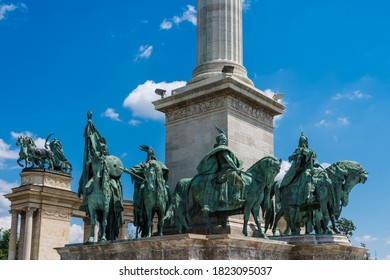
(331, 59)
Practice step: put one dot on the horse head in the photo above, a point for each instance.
(150, 174)
(266, 170)
(354, 174)
(20, 141)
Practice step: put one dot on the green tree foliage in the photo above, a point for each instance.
(4, 239)
(345, 227)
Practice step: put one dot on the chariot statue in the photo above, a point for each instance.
(51, 157)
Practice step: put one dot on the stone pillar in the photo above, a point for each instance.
(28, 234)
(219, 39)
(21, 238)
(13, 235)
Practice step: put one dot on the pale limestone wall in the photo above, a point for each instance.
(55, 232)
(188, 141)
(249, 140)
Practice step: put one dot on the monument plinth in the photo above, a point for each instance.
(211, 247)
(44, 203)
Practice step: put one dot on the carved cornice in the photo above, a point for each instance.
(228, 102)
(196, 109)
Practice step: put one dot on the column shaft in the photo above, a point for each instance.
(28, 234)
(13, 236)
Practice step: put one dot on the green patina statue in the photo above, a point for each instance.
(151, 193)
(311, 196)
(52, 157)
(60, 162)
(100, 185)
(222, 188)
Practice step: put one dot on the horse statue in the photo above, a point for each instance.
(32, 155)
(156, 197)
(151, 194)
(100, 186)
(332, 186)
(257, 182)
(60, 162)
(103, 194)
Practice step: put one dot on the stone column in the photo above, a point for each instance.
(219, 39)
(28, 234)
(13, 235)
(21, 238)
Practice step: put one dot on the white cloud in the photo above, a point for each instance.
(76, 234)
(271, 94)
(246, 4)
(365, 238)
(5, 188)
(343, 121)
(285, 166)
(189, 15)
(111, 114)
(323, 123)
(166, 24)
(356, 95)
(139, 101)
(144, 51)
(5, 222)
(6, 152)
(134, 122)
(5, 9)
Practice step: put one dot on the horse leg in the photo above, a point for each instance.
(278, 215)
(160, 224)
(247, 210)
(149, 220)
(206, 219)
(256, 216)
(106, 209)
(92, 213)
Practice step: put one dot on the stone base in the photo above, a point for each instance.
(209, 247)
(323, 247)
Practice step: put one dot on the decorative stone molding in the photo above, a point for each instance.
(250, 110)
(220, 102)
(45, 178)
(57, 215)
(196, 109)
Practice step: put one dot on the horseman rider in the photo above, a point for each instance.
(138, 178)
(220, 173)
(302, 169)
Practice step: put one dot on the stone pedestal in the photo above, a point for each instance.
(323, 247)
(192, 112)
(209, 247)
